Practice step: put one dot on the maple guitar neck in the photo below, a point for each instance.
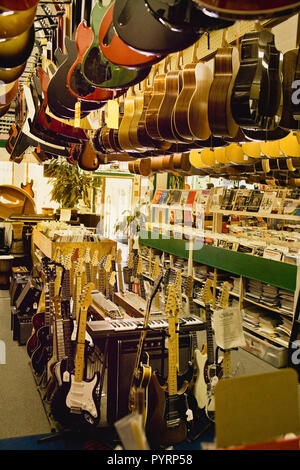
(80, 346)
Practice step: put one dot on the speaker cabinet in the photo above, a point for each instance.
(121, 360)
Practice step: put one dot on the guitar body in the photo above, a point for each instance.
(28, 188)
(41, 354)
(57, 127)
(140, 29)
(230, 9)
(251, 94)
(143, 137)
(16, 50)
(18, 6)
(204, 377)
(220, 118)
(116, 51)
(77, 84)
(12, 25)
(162, 408)
(159, 88)
(32, 343)
(78, 395)
(87, 159)
(58, 91)
(165, 124)
(133, 126)
(97, 70)
(123, 134)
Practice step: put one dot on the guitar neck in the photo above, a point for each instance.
(209, 337)
(172, 357)
(80, 347)
(88, 272)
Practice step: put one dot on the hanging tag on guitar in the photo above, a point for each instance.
(77, 114)
(112, 115)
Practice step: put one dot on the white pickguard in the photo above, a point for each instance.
(80, 396)
(200, 387)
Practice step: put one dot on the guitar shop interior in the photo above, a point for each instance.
(149, 233)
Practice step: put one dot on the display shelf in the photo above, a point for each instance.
(275, 310)
(276, 273)
(48, 247)
(275, 339)
(257, 214)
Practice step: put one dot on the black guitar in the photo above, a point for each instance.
(257, 87)
(59, 96)
(43, 351)
(167, 421)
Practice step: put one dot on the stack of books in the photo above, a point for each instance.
(286, 301)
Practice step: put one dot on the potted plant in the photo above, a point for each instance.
(69, 183)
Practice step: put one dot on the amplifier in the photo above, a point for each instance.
(18, 282)
(22, 328)
(121, 360)
(29, 296)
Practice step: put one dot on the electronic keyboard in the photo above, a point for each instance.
(110, 327)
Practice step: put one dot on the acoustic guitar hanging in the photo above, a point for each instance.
(226, 65)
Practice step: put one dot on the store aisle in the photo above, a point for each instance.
(21, 410)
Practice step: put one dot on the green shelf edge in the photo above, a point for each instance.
(281, 275)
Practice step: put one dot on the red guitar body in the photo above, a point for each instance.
(76, 83)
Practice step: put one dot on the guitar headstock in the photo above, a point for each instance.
(113, 252)
(139, 269)
(156, 269)
(68, 262)
(156, 286)
(130, 260)
(224, 298)
(189, 286)
(87, 256)
(46, 267)
(57, 306)
(119, 256)
(95, 260)
(86, 295)
(75, 255)
(170, 309)
(79, 267)
(57, 255)
(112, 279)
(107, 264)
(207, 293)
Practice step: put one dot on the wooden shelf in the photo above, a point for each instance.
(257, 214)
(48, 247)
(276, 310)
(275, 339)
